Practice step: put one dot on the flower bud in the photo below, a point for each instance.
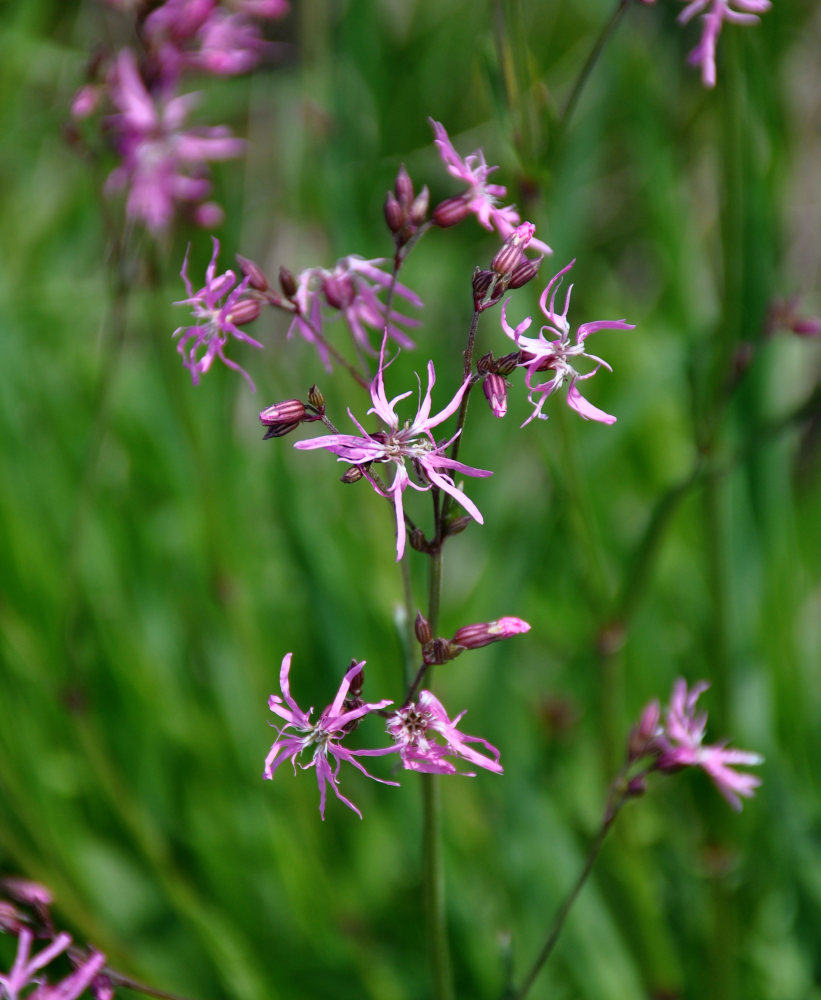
(394, 215)
(254, 273)
(488, 288)
(339, 291)
(505, 365)
(451, 212)
(287, 283)
(643, 734)
(421, 627)
(282, 413)
(526, 270)
(438, 651)
(418, 211)
(806, 326)
(352, 475)
(403, 187)
(495, 390)
(418, 541)
(315, 398)
(244, 311)
(486, 364)
(482, 634)
(512, 250)
(456, 525)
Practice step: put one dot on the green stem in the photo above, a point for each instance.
(434, 878)
(590, 64)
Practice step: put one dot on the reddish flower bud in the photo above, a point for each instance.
(806, 326)
(352, 475)
(512, 250)
(495, 390)
(421, 627)
(643, 734)
(456, 525)
(418, 211)
(287, 283)
(403, 187)
(451, 212)
(486, 364)
(488, 289)
(526, 270)
(254, 273)
(339, 291)
(244, 311)
(286, 412)
(482, 634)
(394, 215)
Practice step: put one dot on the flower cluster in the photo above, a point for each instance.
(163, 162)
(422, 733)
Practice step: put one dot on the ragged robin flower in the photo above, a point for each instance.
(553, 351)
(320, 742)
(410, 443)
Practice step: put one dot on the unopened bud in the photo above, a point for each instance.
(280, 430)
(488, 288)
(482, 634)
(403, 187)
(339, 291)
(806, 326)
(485, 364)
(643, 734)
(287, 283)
(254, 273)
(526, 270)
(495, 390)
(456, 525)
(438, 651)
(636, 787)
(352, 475)
(315, 397)
(418, 541)
(288, 411)
(451, 212)
(421, 627)
(418, 211)
(244, 311)
(394, 214)
(506, 364)
(512, 250)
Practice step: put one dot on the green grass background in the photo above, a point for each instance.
(157, 559)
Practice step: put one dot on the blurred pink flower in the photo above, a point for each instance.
(162, 164)
(481, 198)
(412, 441)
(218, 305)
(553, 351)
(717, 12)
(22, 974)
(680, 741)
(321, 739)
(426, 737)
(352, 289)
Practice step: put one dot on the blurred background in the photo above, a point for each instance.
(157, 559)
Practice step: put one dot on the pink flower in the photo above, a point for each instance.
(411, 441)
(321, 739)
(219, 306)
(351, 288)
(717, 12)
(481, 198)
(553, 351)
(426, 737)
(680, 741)
(21, 976)
(162, 164)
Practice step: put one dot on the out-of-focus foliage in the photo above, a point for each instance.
(157, 559)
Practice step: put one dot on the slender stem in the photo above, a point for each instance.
(435, 889)
(616, 799)
(590, 64)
